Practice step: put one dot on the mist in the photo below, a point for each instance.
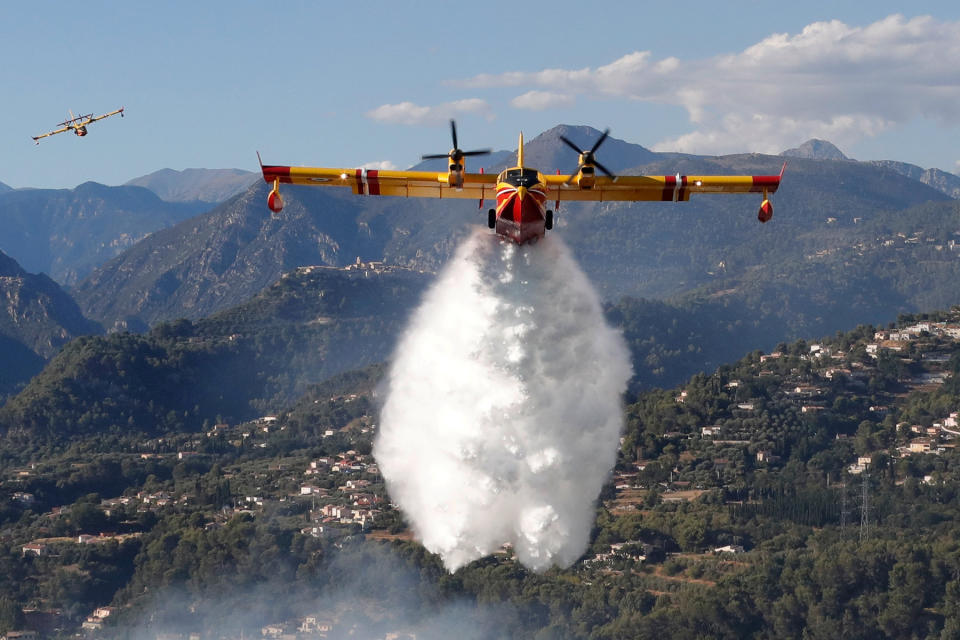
(363, 590)
(502, 408)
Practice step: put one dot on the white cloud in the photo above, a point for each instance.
(380, 165)
(540, 100)
(831, 80)
(410, 113)
(772, 134)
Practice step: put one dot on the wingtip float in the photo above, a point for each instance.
(77, 124)
(522, 193)
(766, 207)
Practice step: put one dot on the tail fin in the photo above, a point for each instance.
(520, 152)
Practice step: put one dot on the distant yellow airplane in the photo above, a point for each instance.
(78, 124)
(521, 193)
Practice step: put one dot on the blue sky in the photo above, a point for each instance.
(207, 84)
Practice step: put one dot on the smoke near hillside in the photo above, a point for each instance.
(502, 411)
(363, 591)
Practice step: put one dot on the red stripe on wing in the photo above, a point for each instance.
(669, 184)
(765, 183)
(272, 172)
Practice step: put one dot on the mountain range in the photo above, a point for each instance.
(66, 233)
(218, 260)
(192, 185)
(948, 183)
(650, 250)
(851, 242)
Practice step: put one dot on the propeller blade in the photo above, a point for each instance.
(603, 168)
(597, 144)
(571, 145)
(456, 154)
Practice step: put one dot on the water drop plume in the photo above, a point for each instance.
(503, 408)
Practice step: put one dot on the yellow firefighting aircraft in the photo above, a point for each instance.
(78, 124)
(521, 193)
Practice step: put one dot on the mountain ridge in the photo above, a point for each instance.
(66, 233)
(37, 318)
(943, 181)
(191, 185)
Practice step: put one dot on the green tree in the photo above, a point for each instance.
(11, 615)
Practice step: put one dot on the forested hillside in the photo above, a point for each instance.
(233, 366)
(808, 490)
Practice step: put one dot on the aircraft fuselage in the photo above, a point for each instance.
(521, 211)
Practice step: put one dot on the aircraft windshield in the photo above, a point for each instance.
(521, 177)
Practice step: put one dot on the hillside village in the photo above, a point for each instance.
(808, 384)
(811, 382)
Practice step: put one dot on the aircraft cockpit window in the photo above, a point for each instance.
(522, 177)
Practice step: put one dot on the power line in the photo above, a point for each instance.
(844, 508)
(865, 507)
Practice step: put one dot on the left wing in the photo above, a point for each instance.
(374, 182)
(676, 188)
(48, 134)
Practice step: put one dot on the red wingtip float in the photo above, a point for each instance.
(274, 200)
(522, 192)
(766, 211)
(766, 207)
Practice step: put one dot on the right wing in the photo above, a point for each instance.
(106, 115)
(374, 182)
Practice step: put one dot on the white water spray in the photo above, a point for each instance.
(503, 406)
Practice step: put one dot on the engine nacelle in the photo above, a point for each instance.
(274, 201)
(766, 211)
(586, 177)
(455, 176)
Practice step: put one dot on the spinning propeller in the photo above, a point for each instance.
(456, 154)
(587, 158)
